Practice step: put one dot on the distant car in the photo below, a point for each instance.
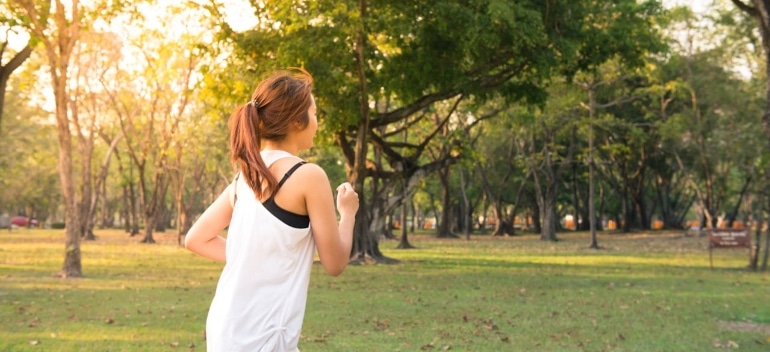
(23, 221)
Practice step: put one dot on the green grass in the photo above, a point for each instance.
(641, 292)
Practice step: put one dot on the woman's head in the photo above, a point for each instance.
(278, 107)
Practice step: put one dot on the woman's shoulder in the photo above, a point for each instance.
(311, 171)
(299, 171)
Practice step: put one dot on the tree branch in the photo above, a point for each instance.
(406, 111)
(17, 60)
(746, 8)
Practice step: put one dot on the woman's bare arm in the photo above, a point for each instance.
(333, 239)
(203, 237)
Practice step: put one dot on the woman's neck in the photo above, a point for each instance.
(279, 146)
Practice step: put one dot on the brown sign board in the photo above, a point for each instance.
(728, 238)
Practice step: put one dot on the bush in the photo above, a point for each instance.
(57, 225)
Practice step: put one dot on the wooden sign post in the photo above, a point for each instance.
(728, 238)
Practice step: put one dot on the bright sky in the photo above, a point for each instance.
(697, 5)
(241, 17)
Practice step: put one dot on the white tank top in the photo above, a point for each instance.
(260, 299)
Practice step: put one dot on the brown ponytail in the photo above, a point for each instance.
(279, 103)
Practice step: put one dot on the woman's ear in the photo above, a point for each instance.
(299, 126)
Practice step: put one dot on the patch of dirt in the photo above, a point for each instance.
(745, 326)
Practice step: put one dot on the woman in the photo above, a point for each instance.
(270, 207)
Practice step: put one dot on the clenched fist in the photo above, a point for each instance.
(347, 200)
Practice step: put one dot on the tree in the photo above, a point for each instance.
(58, 29)
(154, 110)
(498, 161)
(553, 134)
(58, 26)
(28, 184)
(94, 59)
(759, 10)
(415, 54)
(590, 83)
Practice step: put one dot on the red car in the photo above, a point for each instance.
(23, 221)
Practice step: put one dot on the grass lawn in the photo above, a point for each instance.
(641, 292)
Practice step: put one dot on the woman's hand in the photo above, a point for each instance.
(347, 200)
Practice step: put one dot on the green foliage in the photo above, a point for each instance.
(28, 158)
(481, 48)
(617, 29)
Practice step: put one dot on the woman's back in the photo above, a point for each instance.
(260, 300)
(263, 287)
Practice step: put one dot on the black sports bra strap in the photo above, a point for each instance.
(287, 174)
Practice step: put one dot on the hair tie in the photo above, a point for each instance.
(255, 103)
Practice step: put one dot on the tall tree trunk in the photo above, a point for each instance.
(163, 220)
(86, 186)
(133, 204)
(767, 249)
(415, 215)
(404, 242)
(59, 43)
(106, 209)
(549, 216)
(134, 199)
(765, 208)
(767, 252)
(497, 211)
(72, 266)
(365, 243)
(734, 213)
(628, 211)
(534, 212)
(754, 257)
(600, 216)
(91, 202)
(576, 201)
(444, 226)
(467, 205)
(591, 203)
(182, 212)
(149, 226)
(153, 205)
(546, 204)
(125, 211)
(547, 189)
